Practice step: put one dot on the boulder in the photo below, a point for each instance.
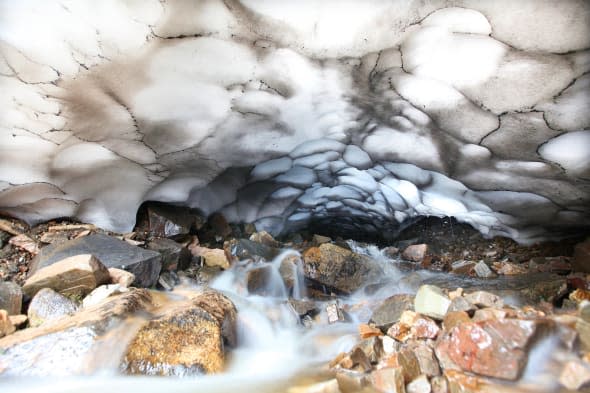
(431, 301)
(462, 267)
(68, 342)
(174, 255)
(11, 297)
(494, 348)
(48, 305)
(187, 339)
(390, 310)
(73, 276)
(112, 252)
(168, 221)
(426, 359)
(339, 269)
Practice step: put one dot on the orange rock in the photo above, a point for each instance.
(366, 331)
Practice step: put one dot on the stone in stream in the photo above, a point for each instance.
(412, 326)
(462, 267)
(334, 313)
(494, 348)
(48, 305)
(174, 255)
(482, 270)
(303, 307)
(259, 281)
(6, 328)
(112, 252)
(11, 297)
(372, 347)
(459, 303)
(583, 325)
(390, 310)
(74, 276)
(63, 346)
(340, 269)
(243, 249)
(187, 339)
(415, 252)
(431, 301)
(454, 318)
(211, 256)
(406, 360)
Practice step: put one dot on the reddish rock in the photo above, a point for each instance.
(388, 379)
(415, 253)
(413, 326)
(495, 348)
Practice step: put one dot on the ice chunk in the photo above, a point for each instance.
(298, 176)
(356, 157)
(571, 151)
(356, 178)
(286, 192)
(271, 168)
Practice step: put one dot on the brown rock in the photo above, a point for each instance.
(11, 296)
(415, 253)
(25, 243)
(455, 318)
(406, 360)
(352, 381)
(219, 225)
(484, 299)
(488, 313)
(372, 347)
(334, 313)
(75, 276)
(581, 257)
(187, 339)
(18, 320)
(426, 359)
(459, 382)
(366, 331)
(391, 309)
(462, 267)
(390, 380)
(439, 385)
(121, 277)
(579, 295)
(211, 256)
(6, 326)
(575, 375)
(495, 348)
(509, 269)
(265, 238)
(413, 326)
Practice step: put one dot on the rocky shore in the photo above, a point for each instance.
(439, 310)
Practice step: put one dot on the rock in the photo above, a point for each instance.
(415, 253)
(413, 326)
(48, 305)
(144, 264)
(426, 360)
(455, 318)
(579, 295)
(168, 280)
(352, 381)
(581, 257)
(219, 225)
(509, 269)
(439, 385)
(101, 293)
(334, 313)
(18, 320)
(6, 326)
(211, 256)
(482, 270)
(484, 299)
(169, 221)
(244, 249)
(319, 239)
(359, 360)
(339, 269)
(461, 304)
(262, 280)
(389, 345)
(575, 375)
(462, 267)
(73, 276)
(419, 385)
(25, 243)
(488, 313)
(187, 339)
(458, 382)
(174, 256)
(431, 301)
(265, 238)
(366, 331)
(390, 380)
(69, 341)
(303, 307)
(406, 360)
(11, 297)
(390, 310)
(121, 277)
(291, 273)
(494, 348)
(372, 347)
(390, 252)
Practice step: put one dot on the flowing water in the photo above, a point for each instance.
(275, 350)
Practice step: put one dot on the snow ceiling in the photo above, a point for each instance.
(356, 113)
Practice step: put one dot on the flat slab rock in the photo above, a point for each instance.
(144, 264)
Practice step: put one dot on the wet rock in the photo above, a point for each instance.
(101, 293)
(583, 325)
(581, 257)
(334, 313)
(144, 264)
(290, 271)
(211, 256)
(174, 255)
(426, 360)
(575, 375)
(340, 269)
(372, 347)
(482, 270)
(68, 341)
(431, 301)
(579, 295)
(6, 326)
(415, 252)
(168, 280)
(351, 381)
(484, 299)
(265, 238)
(366, 331)
(488, 313)
(169, 221)
(187, 339)
(48, 305)
(11, 297)
(121, 277)
(462, 267)
(495, 348)
(419, 385)
(390, 310)
(244, 249)
(261, 280)
(390, 380)
(73, 276)
(304, 307)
